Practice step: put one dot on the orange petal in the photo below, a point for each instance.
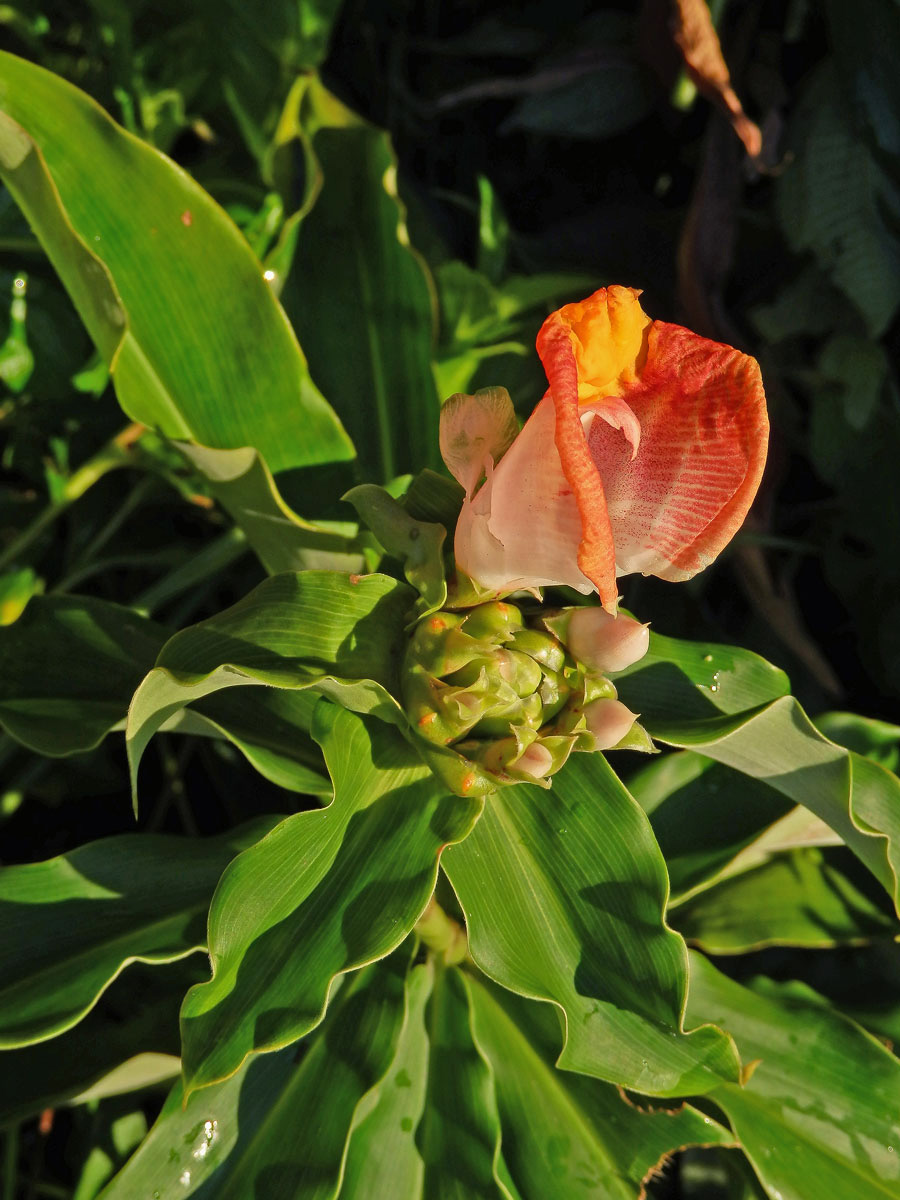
(596, 554)
(704, 433)
(608, 336)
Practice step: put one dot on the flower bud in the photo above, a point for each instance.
(498, 702)
(605, 643)
(608, 721)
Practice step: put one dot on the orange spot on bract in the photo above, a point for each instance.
(45, 1124)
(186, 217)
(468, 783)
(437, 624)
(354, 579)
(427, 719)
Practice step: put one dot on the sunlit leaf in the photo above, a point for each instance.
(563, 1133)
(71, 924)
(818, 1116)
(324, 893)
(169, 290)
(315, 629)
(280, 1125)
(563, 893)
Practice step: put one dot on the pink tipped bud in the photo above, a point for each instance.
(536, 763)
(608, 721)
(605, 643)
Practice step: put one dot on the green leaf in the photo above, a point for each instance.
(243, 485)
(132, 1030)
(68, 668)
(431, 1126)
(279, 1126)
(73, 923)
(679, 681)
(168, 288)
(335, 633)
(418, 544)
(703, 815)
(459, 1134)
(878, 740)
(370, 332)
(803, 897)
(324, 893)
(562, 1133)
(778, 745)
(383, 1160)
(818, 1115)
(272, 732)
(836, 200)
(563, 893)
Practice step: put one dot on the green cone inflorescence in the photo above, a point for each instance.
(508, 698)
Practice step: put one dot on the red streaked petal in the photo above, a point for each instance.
(522, 528)
(596, 556)
(704, 431)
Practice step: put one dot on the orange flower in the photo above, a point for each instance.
(644, 455)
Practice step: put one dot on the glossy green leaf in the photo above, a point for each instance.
(803, 897)
(324, 893)
(71, 924)
(684, 682)
(332, 632)
(243, 485)
(703, 814)
(564, 1134)
(278, 1128)
(133, 1028)
(68, 668)
(418, 544)
(169, 290)
(818, 1116)
(272, 732)
(564, 892)
(778, 745)
(370, 331)
(431, 1127)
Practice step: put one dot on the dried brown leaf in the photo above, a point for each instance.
(696, 37)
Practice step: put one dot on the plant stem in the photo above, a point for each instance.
(114, 454)
(442, 935)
